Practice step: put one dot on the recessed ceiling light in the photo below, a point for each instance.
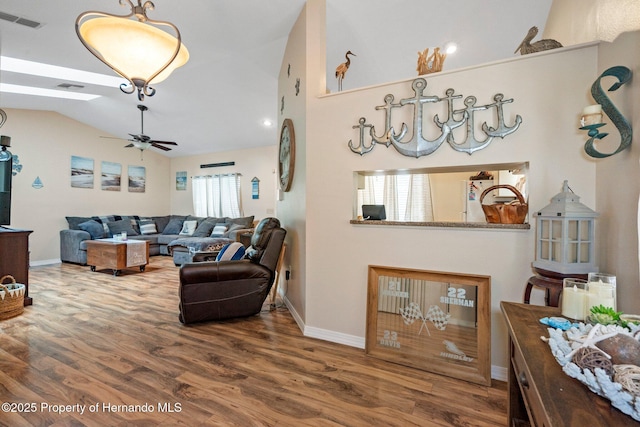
(267, 123)
(450, 48)
(36, 91)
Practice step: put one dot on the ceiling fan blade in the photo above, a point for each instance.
(162, 147)
(163, 142)
(128, 145)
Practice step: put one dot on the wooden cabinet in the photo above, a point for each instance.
(14, 257)
(540, 393)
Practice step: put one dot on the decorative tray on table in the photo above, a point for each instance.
(603, 356)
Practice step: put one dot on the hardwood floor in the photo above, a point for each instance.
(105, 344)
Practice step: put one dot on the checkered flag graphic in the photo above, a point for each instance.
(439, 318)
(412, 313)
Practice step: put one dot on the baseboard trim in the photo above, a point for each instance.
(44, 262)
(497, 372)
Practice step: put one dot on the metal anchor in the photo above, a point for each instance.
(418, 145)
(362, 148)
(451, 121)
(502, 130)
(470, 144)
(388, 106)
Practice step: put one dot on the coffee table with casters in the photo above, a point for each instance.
(117, 254)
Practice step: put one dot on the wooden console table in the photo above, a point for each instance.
(539, 393)
(14, 257)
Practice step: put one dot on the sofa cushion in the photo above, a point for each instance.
(231, 252)
(165, 239)
(174, 226)
(246, 222)
(120, 226)
(188, 227)
(233, 227)
(74, 221)
(161, 222)
(147, 226)
(94, 228)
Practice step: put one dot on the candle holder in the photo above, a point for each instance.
(574, 298)
(602, 291)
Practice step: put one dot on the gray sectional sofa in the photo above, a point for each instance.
(162, 232)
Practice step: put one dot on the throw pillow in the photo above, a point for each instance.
(231, 252)
(123, 225)
(246, 222)
(219, 230)
(161, 222)
(94, 228)
(188, 227)
(75, 221)
(232, 228)
(148, 227)
(204, 229)
(174, 226)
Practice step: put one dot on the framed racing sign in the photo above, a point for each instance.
(434, 321)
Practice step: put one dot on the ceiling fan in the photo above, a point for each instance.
(142, 141)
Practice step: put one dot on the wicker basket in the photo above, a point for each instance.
(11, 298)
(505, 213)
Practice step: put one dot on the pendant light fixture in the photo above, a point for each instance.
(133, 45)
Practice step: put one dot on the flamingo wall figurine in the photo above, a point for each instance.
(341, 70)
(527, 47)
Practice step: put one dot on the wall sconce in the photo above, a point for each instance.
(591, 119)
(137, 49)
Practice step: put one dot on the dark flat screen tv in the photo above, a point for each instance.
(376, 212)
(5, 187)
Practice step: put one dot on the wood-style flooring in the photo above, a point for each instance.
(113, 347)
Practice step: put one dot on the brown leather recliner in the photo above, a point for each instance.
(226, 289)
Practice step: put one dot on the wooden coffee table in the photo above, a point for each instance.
(117, 254)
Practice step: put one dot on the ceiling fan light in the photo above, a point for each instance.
(141, 145)
(134, 49)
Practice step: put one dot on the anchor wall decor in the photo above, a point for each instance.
(623, 74)
(417, 145)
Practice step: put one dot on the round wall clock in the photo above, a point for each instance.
(287, 154)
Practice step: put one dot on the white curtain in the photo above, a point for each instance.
(405, 197)
(217, 196)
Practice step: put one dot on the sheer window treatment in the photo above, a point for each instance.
(405, 197)
(217, 196)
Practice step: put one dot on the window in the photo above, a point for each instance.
(217, 196)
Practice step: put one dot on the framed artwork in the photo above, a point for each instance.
(287, 155)
(181, 181)
(81, 172)
(137, 179)
(110, 176)
(433, 321)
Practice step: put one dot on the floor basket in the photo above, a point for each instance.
(505, 213)
(11, 298)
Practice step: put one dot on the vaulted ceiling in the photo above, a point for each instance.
(220, 98)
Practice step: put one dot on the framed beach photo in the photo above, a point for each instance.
(137, 179)
(81, 172)
(433, 321)
(110, 176)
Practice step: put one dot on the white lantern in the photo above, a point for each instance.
(565, 237)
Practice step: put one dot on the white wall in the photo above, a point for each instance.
(258, 162)
(44, 142)
(549, 92)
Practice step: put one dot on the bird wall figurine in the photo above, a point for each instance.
(527, 47)
(341, 70)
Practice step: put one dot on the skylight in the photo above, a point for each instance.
(64, 74)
